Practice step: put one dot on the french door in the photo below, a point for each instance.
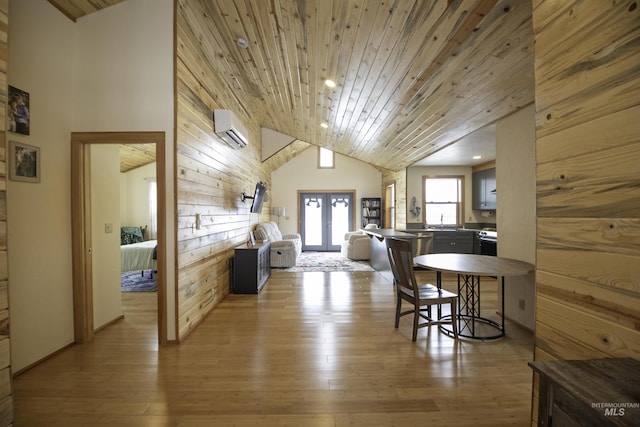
(324, 219)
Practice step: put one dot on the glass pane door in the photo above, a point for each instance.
(325, 218)
(313, 218)
(341, 208)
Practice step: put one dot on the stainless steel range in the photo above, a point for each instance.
(488, 242)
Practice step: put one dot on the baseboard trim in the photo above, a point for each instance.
(44, 359)
(111, 322)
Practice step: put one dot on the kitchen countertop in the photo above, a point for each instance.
(421, 243)
(428, 230)
(476, 227)
(410, 234)
(382, 233)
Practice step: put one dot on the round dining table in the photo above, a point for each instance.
(469, 268)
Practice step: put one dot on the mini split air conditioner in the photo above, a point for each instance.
(229, 128)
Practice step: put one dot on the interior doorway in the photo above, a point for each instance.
(81, 225)
(324, 219)
(390, 203)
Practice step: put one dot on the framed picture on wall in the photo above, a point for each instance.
(18, 117)
(24, 162)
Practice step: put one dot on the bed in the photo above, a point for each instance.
(135, 252)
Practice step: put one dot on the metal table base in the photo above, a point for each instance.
(469, 317)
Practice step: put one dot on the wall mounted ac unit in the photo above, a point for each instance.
(230, 129)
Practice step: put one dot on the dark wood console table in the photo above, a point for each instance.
(585, 393)
(251, 267)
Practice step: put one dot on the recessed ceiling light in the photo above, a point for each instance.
(324, 125)
(242, 43)
(477, 157)
(330, 83)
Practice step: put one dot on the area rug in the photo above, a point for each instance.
(133, 281)
(326, 261)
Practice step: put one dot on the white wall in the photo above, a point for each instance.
(134, 195)
(124, 82)
(516, 181)
(110, 71)
(302, 173)
(105, 244)
(41, 42)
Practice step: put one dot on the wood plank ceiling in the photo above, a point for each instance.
(74, 9)
(412, 76)
(133, 156)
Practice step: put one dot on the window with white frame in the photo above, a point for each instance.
(325, 158)
(443, 200)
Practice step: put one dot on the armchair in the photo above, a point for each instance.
(357, 245)
(284, 248)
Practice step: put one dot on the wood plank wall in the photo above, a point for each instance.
(6, 405)
(210, 175)
(588, 179)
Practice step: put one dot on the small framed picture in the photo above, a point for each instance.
(24, 162)
(252, 239)
(18, 117)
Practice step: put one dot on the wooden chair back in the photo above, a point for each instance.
(401, 261)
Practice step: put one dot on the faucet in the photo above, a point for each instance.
(441, 221)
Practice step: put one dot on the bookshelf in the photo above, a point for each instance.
(371, 211)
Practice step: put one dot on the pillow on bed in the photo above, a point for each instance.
(130, 235)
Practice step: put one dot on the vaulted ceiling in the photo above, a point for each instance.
(74, 9)
(413, 76)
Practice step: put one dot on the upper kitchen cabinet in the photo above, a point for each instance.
(484, 190)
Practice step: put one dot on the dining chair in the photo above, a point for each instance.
(421, 297)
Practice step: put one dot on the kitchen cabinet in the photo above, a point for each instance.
(484, 185)
(457, 242)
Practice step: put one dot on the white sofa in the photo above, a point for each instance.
(284, 248)
(356, 245)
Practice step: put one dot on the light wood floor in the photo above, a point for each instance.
(313, 349)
